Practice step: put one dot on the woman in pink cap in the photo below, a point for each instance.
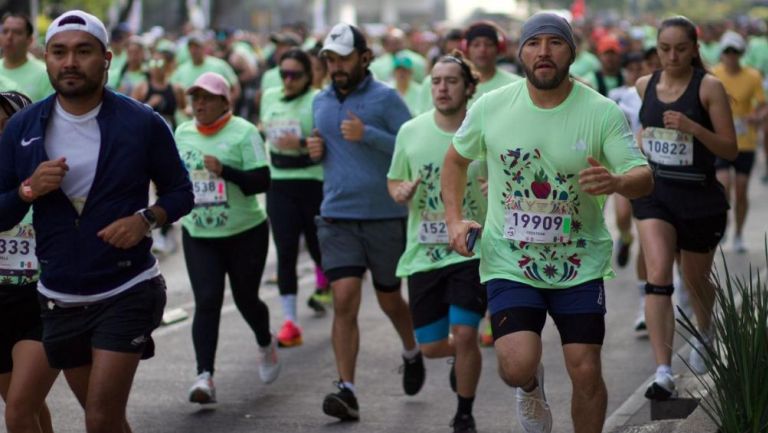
(227, 233)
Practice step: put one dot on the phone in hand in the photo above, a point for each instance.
(472, 235)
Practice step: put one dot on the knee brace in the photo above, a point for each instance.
(652, 289)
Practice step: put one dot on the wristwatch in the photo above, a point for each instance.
(149, 217)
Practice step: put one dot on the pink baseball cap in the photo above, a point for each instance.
(212, 83)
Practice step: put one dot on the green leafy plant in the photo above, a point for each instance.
(737, 386)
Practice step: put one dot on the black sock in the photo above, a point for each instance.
(465, 405)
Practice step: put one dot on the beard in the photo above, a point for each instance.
(546, 84)
(88, 85)
(347, 81)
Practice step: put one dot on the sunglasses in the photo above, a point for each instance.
(156, 63)
(293, 75)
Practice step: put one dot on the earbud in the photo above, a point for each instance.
(106, 64)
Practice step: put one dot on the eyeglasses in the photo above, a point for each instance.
(293, 75)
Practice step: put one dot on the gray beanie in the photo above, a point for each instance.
(547, 23)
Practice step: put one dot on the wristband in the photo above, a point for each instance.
(26, 190)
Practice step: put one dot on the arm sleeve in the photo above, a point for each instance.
(620, 151)
(469, 140)
(12, 207)
(174, 189)
(250, 182)
(399, 169)
(396, 113)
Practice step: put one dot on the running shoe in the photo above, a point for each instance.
(269, 368)
(289, 335)
(738, 245)
(341, 404)
(323, 296)
(203, 391)
(640, 326)
(698, 359)
(662, 388)
(463, 424)
(532, 407)
(317, 307)
(159, 243)
(413, 374)
(622, 248)
(486, 337)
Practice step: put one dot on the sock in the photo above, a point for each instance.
(349, 385)
(465, 405)
(410, 354)
(664, 370)
(321, 282)
(641, 287)
(289, 307)
(626, 237)
(532, 387)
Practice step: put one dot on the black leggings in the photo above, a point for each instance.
(242, 257)
(292, 206)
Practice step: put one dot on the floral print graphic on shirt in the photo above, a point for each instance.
(529, 183)
(204, 215)
(430, 203)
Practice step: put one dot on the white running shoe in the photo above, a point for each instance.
(203, 391)
(532, 408)
(738, 245)
(662, 388)
(158, 242)
(698, 358)
(269, 368)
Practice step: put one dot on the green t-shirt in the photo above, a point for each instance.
(271, 79)
(295, 116)
(541, 229)
(710, 52)
(584, 64)
(611, 81)
(757, 55)
(500, 79)
(31, 78)
(18, 263)
(383, 67)
(130, 80)
(419, 150)
(412, 97)
(186, 74)
(115, 67)
(7, 85)
(221, 209)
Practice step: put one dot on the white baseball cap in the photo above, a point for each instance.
(81, 21)
(733, 40)
(343, 39)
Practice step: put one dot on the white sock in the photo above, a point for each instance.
(289, 307)
(664, 370)
(410, 354)
(349, 385)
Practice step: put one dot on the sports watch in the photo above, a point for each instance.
(149, 217)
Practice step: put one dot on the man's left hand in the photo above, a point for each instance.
(352, 128)
(596, 179)
(125, 233)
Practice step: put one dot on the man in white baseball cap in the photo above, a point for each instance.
(83, 159)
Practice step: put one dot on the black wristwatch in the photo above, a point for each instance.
(149, 217)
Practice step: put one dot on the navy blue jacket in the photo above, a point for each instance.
(136, 146)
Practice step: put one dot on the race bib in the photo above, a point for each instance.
(668, 146)
(208, 188)
(17, 252)
(432, 229)
(537, 221)
(740, 125)
(281, 127)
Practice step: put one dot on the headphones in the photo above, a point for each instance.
(501, 39)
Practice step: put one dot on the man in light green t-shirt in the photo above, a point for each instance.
(17, 65)
(555, 149)
(443, 287)
(383, 67)
(200, 63)
(482, 45)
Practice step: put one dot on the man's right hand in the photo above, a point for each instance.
(457, 233)
(46, 178)
(315, 146)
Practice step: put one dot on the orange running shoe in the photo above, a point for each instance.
(289, 335)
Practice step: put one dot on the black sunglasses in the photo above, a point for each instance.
(293, 75)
